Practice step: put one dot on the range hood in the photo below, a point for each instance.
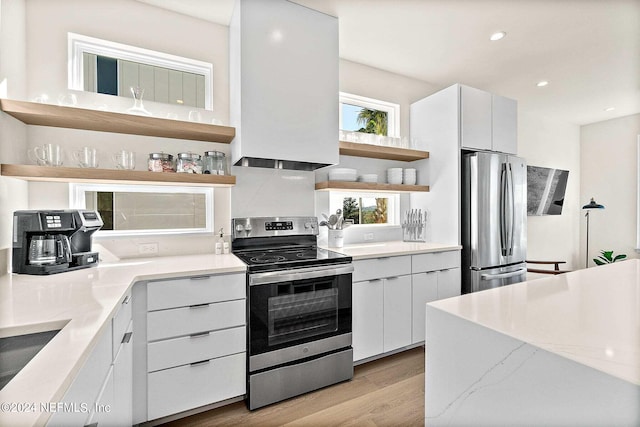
(283, 86)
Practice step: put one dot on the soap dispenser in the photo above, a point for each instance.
(220, 242)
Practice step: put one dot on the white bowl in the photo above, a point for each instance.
(392, 180)
(343, 174)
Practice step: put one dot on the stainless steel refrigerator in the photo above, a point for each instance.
(494, 220)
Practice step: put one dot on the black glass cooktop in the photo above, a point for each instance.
(289, 257)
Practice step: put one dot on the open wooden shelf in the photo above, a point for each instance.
(370, 186)
(381, 152)
(33, 113)
(64, 174)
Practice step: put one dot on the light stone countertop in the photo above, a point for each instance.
(590, 316)
(392, 248)
(79, 303)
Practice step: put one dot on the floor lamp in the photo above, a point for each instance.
(591, 205)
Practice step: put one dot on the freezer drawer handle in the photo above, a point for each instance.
(503, 275)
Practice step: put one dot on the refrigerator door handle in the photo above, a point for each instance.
(511, 214)
(503, 209)
(503, 275)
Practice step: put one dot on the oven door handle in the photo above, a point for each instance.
(299, 274)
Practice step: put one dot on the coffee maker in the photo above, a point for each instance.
(55, 241)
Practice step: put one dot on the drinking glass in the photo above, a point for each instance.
(195, 116)
(47, 155)
(86, 157)
(125, 160)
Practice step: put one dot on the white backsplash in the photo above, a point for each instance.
(272, 192)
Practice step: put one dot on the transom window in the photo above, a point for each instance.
(368, 115)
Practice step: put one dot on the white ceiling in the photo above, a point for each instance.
(588, 50)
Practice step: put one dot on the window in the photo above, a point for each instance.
(129, 210)
(103, 66)
(367, 208)
(368, 115)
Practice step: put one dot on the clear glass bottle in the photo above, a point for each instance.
(215, 163)
(189, 163)
(160, 162)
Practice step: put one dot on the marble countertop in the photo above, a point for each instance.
(590, 316)
(392, 248)
(79, 303)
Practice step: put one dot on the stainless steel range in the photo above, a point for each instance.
(298, 307)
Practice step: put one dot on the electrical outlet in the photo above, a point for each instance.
(148, 248)
(368, 236)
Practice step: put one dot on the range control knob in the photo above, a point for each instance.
(310, 225)
(239, 228)
(248, 227)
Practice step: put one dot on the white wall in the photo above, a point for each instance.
(608, 163)
(13, 193)
(548, 143)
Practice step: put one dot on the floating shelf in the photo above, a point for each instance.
(381, 152)
(370, 186)
(33, 113)
(64, 174)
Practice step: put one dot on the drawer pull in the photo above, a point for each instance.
(126, 300)
(127, 337)
(199, 335)
(199, 277)
(392, 278)
(202, 362)
(383, 258)
(374, 280)
(199, 306)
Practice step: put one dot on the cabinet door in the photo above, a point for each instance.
(425, 289)
(101, 411)
(397, 312)
(448, 283)
(504, 124)
(367, 318)
(475, 118)
(122, 411)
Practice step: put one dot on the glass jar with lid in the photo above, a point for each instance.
(161, 162)
(189, 163)
(215, 163)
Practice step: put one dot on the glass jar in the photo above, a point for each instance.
(189, 163)
(215, 163)
(161, 162)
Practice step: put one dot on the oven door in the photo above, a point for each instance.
(298, 313)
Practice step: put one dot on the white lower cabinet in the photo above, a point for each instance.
(101, 394)
(389, 298)
(193, 351)
(366, 319)
(397, 312)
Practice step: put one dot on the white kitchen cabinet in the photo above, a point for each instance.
(193, 350)
(475, 119)
(367, 319)
(283, 82)
(102, 390)
(425, 289)
(381, 320)
(504, 124)
(434, 276)
(487, 121)
(397, 312)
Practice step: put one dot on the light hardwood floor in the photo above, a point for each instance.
(385, 392)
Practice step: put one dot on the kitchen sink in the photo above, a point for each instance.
(17, 351)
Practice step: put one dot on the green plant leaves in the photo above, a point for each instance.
(607, 257)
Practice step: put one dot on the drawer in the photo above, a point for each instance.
(191, 386)
(120, 322)
(380, 268)
(188, 291)
(195, 319)
(185, 350)
(421, 263)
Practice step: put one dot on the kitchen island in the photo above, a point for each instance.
(563, 350)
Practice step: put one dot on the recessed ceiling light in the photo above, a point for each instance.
(609, 108)
(542, 83)
(497, 36)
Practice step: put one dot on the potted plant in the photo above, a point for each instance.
(607, 257)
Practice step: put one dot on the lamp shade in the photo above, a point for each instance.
(593, 205)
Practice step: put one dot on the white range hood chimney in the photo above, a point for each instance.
(283, 85)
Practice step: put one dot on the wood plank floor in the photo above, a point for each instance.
(385, 392)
